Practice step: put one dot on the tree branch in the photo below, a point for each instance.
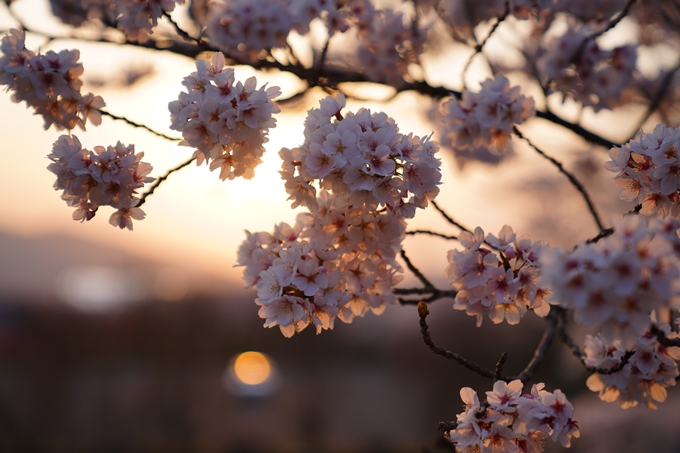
(572, 179)
(567, 340)
(431, 233)
(160, 180)
(542, 348)
(423, 312)
(141, 126)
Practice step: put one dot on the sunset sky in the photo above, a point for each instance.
(197, 220)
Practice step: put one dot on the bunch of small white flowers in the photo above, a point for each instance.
(363, 156)
(501, 283)
(388, 46)
(137, 18)
(104, 176)
(226, 122)
(510, 421)
(49, 83)
(618, 282)
(340, 258)
(339, 263)
(245, 27)
(644, 379)
(486, 118)
(648, 167)
(577, 66)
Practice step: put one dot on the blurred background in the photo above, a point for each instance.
(116, 341)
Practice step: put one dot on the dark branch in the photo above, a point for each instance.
(665, 84)
(662, 338)
(576, 129)
(480, 46)
(417, 272)
(572, 179)
(569, 342)
(615, 21)
(609, 231)
(423, 312)
(431, 233)
(160, 180)
(333, 75)
(448, 217)
(142, 126)
(499, 366)
(542, 348)
(198, 41)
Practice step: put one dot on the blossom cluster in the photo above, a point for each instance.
(463, 16)
(486, 118)
(104, 176)
(339, 260)
(49, 83)
(341, 264)
(387, 46)
(361, 157)
(226, 122)
(501, 283)
(644, 379)
(576, 65)
(134, 17)
(137, 18)
(510, 421)
(648, 167)
(618, 282)
(244, 28)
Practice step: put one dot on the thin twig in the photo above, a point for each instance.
(198, 41)
(567, 340)
(480, 46)
(432, 233)
(448, 217)
(499, 366)
(662, 338)
(333, 76)
(665, 84)
(542, 348)
(615, 21)
(456, 224)
(428, 284)
(609, 231)
(423, 312)
(572, 179)
(141, 126)
(160, 180)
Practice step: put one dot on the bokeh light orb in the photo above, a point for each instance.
(251, 374)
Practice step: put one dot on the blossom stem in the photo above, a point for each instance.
(569, 342)
(572, 179)
(432, 233)
(160, 180)
(542, 348)
(423, 312)
(142, 126)
(419, 275)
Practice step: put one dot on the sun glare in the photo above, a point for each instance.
(252, 368)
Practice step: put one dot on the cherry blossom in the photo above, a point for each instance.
(339, 260)
(510, 421)
(618, 282)
(226, 121)
(648, 167)
(101, 177)
(502, 282)
(643, 380)
(486, 118)
(48, 83)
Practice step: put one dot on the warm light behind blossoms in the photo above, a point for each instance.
(356, 181)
